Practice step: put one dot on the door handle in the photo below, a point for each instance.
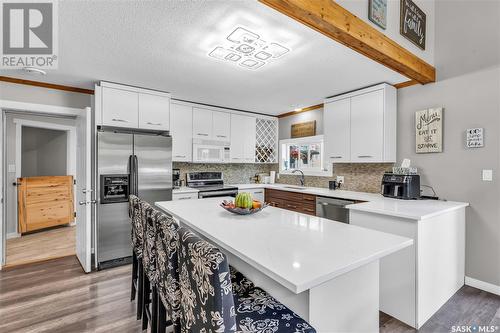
(16, 184)
(154, 124)
(221, 136)
(120, 120)
(87, 191)
(364, 156)
(335, 156)
(202, 134)
(81, 203)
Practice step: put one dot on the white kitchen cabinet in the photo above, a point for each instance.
(367, 127)
(120, 108)
(360, 126)
(132, 107)
(181, 120)
(337, 136)
(184, 196)
(202, 123)
(154, 112)
(221, 125)
(242, 139)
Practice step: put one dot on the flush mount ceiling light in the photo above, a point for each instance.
(247, 49)
(34, 71)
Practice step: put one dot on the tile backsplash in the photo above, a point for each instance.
(233, 173)
(363, 177)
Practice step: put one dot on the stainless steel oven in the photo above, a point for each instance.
(210, 184)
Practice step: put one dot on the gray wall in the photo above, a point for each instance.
(10, 146)
(44, 152)
(286, 123)
(31, 94)
(468, 87)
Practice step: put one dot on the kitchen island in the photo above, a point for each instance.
(326, 272)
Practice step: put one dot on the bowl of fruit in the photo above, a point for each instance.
(243, 204)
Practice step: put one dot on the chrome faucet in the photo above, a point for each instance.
(301, 177)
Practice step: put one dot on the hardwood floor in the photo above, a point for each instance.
(56, 296)
(49, 244)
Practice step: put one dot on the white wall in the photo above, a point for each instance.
(360, 9)
(285, 124)
(44, 152)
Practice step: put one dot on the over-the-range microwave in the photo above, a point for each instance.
(211, 151)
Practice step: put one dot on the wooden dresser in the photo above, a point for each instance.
(298, 202)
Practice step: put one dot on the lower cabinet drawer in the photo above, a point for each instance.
(275, 202)
(184, 196)
(297, 202)
(308, 208)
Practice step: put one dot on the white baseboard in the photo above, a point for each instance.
(12, 235)
(489, 287)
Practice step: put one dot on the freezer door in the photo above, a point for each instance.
(154, 165)
(113, 223)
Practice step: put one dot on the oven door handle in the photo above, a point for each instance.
(217, 194)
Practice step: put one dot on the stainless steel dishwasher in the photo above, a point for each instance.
(333, 209)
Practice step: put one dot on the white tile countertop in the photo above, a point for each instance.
(277, 242)
(373, 202)
(184, 190)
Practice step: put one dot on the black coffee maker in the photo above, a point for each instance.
(405, 187)
(176, 178)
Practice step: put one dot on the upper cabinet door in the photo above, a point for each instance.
(337, 131)
(237, 138)
(154, 112)
(367, 127)
(221, 128)
(249, 143)
(202, 123)
(120, 108)
(181, 124)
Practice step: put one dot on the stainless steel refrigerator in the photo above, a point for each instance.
(129, 161)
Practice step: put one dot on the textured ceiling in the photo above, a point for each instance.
(164, 45)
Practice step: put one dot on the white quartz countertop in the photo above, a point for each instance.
(373, 202)
(297, 250)
(184, 189)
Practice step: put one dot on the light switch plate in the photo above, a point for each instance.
(487, 175)
(11, 168)
(340, 179)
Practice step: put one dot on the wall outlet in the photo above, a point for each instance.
(487, 175)
(340, 179)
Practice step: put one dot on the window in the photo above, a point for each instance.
(305, 154)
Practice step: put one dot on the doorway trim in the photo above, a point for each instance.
(7, 105)
(71, 147)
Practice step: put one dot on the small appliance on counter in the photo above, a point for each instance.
(400, 186)
(176, 178)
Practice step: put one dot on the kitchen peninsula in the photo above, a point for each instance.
(326, 272)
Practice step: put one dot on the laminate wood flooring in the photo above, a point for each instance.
(43, 245)
(56, 296)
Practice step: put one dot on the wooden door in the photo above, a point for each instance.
(44, 202)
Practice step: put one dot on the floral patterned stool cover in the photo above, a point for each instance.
(259, 312)
(137, 227)
(241, 285)
(208, 303)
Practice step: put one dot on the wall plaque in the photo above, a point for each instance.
(412, 23)
(429, 131)
(377, 12)
(475, 138)
(301, 130)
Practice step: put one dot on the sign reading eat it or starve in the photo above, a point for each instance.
(429, 131)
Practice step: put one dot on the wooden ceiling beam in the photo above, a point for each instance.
(46, 85)
(337, 23)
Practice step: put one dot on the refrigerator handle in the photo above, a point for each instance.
(136, 175)
(131, 167)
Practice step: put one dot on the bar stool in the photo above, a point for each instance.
(209, 304)
(150, 275)
(137, 247)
